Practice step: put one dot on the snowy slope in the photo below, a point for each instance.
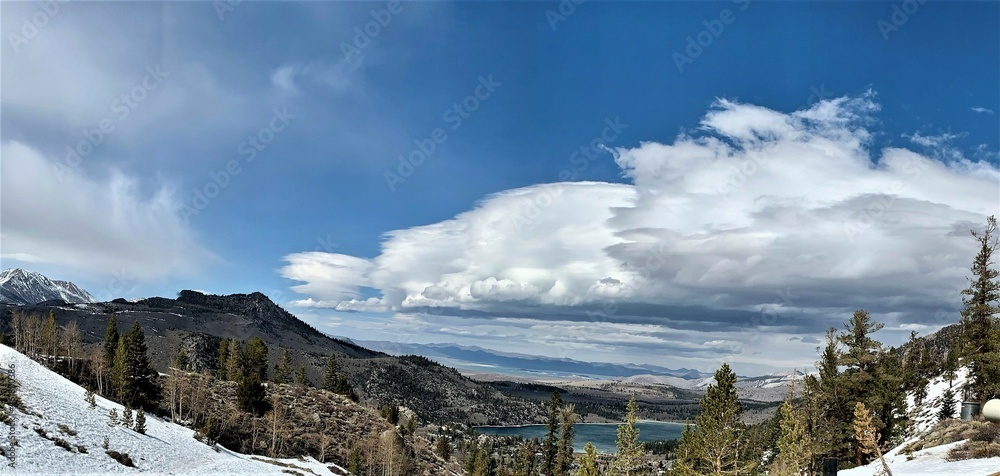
(166, 448)
(18, 286)
(928, 462)
(925, 415)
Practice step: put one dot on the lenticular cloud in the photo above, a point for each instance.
(752, 203)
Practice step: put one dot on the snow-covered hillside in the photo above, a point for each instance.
(928, 462)
(166, 448)
(18, 286)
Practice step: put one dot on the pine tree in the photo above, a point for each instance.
(254, 359)
(331, 373)
(718, 433)
(234, 367)
(132, 375)
(793, 444)
(564, 455)
(111, 340)
(628, 458)
(113, 417)
(354, 462)
(828, 412)
(550, 446)
(89, 397)
(443, 448)
(140, 422)
(980, 331)
(181, 361)
(588, 462)
(251, 394)
(687, 455)
(127, 417)
(871, 376)
(283, 369)
(222, 363)
(300, 377)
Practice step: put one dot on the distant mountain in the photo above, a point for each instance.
(197, 322)
(491, 361)
(22, 287)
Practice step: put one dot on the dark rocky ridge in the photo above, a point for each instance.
(197, 322)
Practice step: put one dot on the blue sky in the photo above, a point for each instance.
(313, 209)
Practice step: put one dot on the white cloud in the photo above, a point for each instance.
(982, 110)
(755, 203)
(336, 75)
(104, 226)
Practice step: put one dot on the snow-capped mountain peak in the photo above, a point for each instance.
(19, 286)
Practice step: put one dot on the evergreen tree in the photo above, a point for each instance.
(628, 458)
(140, 422)
(89, 397)
(564, 455)
(948, 404)
(127, 417)
(588, 462)
(871, 376)
(234, 364)
(254, 359)
(251, 394)
(687, 456)
(550, 446)
(330, 372)
(300, 377)
(443, 448)
(793, 444)
(354, 462)
(111, 340)
(132, 375)
(113, 417)
(980, 331)
(718, 439)
(827, 410)
(283, 369)
(181, 362)
(222, 364)
(525, 459)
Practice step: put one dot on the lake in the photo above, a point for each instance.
(602, 435)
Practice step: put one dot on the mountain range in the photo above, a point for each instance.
(198, 322)
(19, 286)
(477, 360)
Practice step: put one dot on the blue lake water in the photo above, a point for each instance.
(602, 435)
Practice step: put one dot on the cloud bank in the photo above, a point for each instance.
(756, 212)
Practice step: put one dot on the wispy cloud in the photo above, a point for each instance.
(982, 110)
(338, 75)
(100, 225)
